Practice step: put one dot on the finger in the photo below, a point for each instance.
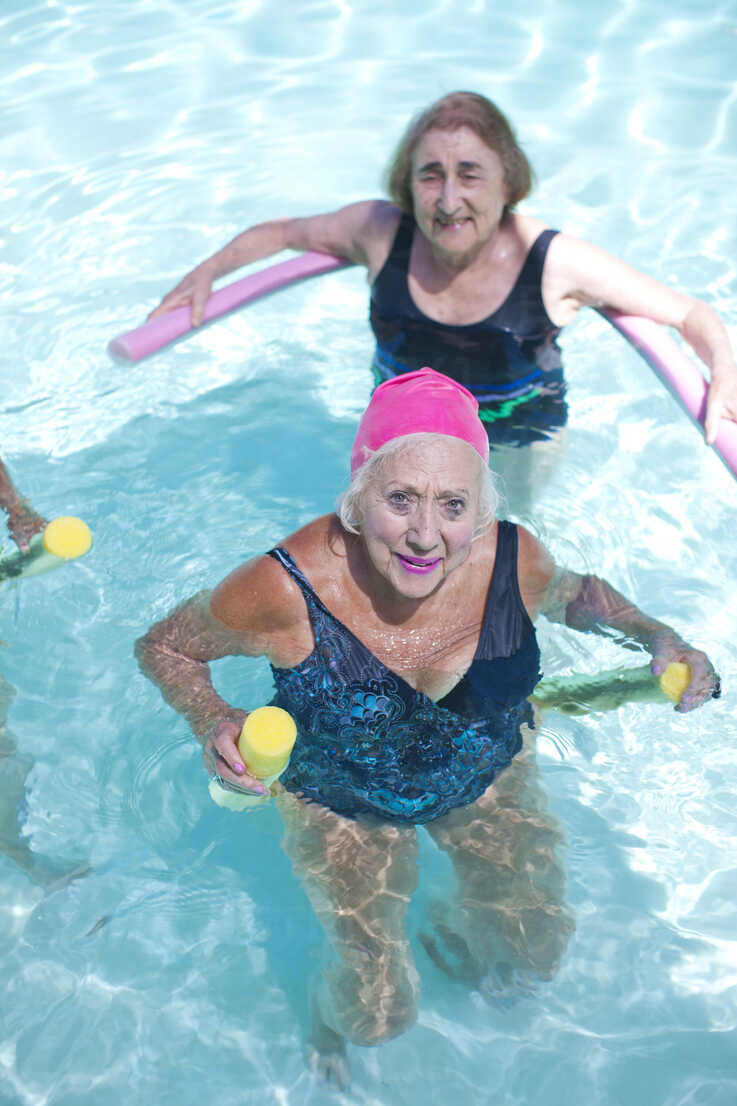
(169, 303)
(227, 754)
(217, 769)
(226, 749)
(230, 779)
(163, 307)
(704, 685)
(714, 410)
(199, 303)
(242, 785)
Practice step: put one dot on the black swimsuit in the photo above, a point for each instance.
(510, 361)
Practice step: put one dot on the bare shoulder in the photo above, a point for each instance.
(581, 274)
(354, 232)
(261, 597)
(535, 570)
(375, 226)
(319, 551)
(527, 227)
(257, 598)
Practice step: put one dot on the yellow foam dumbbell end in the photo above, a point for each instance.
(67, 537)
(267, 740)
(675, 680)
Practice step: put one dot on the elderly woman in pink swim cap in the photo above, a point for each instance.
(400, 636)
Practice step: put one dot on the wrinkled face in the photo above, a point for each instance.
(419, 516)
(458, 190)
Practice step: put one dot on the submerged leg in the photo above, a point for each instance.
(14, 769)
(509, 918)
(525, 471)
(359, 877)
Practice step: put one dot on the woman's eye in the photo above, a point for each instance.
(456, 505)
(398, 499)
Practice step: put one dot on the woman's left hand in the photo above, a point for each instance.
(668, 648)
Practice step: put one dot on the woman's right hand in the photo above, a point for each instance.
(23, 523)
(222, 759)
(194, 290)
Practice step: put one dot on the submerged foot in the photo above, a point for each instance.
(449, 951)
(326, 1051)
(496, 975)
(51, 875)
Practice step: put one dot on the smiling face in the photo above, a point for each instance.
(458, 191)
(420, 516)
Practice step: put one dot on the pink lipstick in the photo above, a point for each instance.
(418, 565)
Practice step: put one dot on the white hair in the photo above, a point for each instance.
(350, 504)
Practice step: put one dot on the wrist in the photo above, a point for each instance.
(723, 369)
(209, 268)
(210, 728)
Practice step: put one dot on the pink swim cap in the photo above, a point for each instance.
(419, 402)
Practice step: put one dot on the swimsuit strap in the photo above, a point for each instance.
(317, 610)
(524, 304)
(506, 621)
(402, 244)
(532, 270)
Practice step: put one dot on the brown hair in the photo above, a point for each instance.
(451, 112)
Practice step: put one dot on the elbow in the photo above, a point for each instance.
(582, 610)
(147, 650)
(141, 651)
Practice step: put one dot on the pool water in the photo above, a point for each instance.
(139, 137)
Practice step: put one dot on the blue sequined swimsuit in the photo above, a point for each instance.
(369, 743)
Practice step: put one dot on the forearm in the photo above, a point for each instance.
(599, 607)
(23, 521)
(9, 498)
(186, 686)
(175, 655)
(253, 244)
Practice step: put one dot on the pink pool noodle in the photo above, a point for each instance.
(679, 373)
(146, 339)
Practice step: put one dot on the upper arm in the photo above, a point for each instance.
(243, 616)
(577, 274)
(261, 607)
(358, 232)
(193, 632)
(546, 588)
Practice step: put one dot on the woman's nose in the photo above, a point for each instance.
(423, 530)
(449, 196)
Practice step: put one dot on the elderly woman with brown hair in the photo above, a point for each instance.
(400, 635)
(462, 281)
